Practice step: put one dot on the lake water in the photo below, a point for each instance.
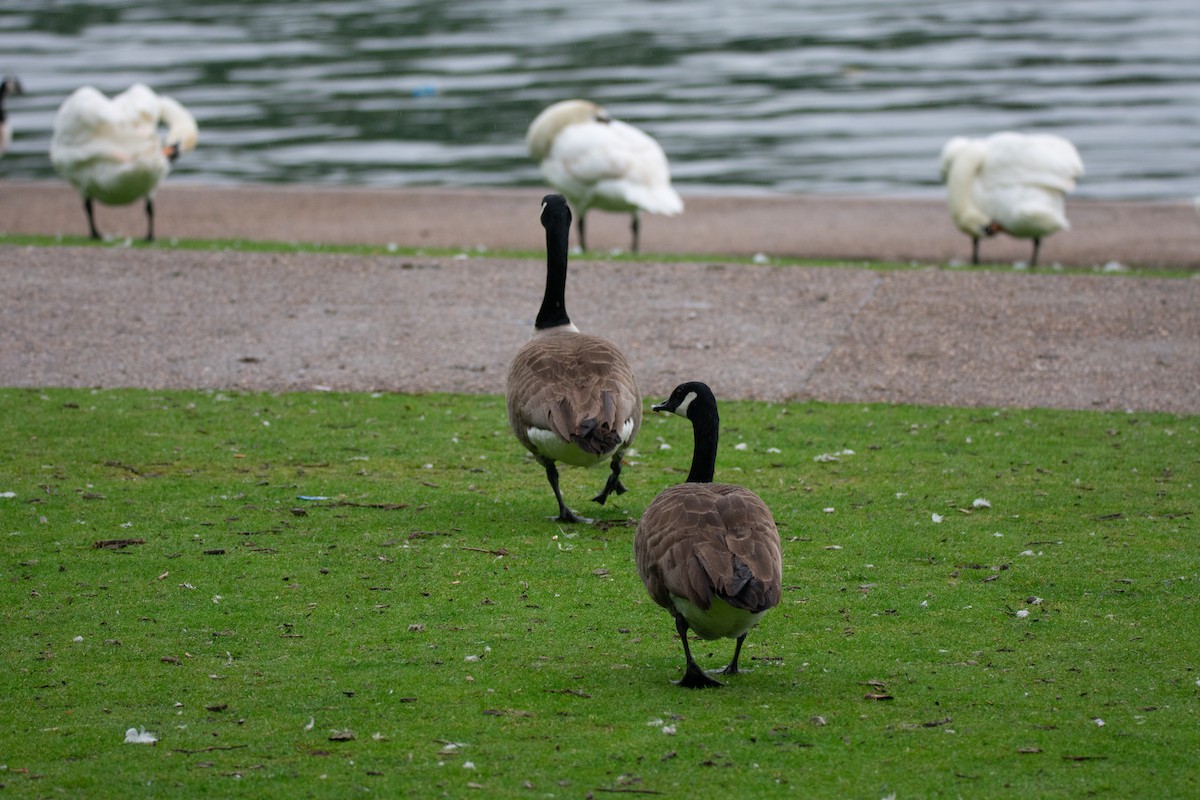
(846, 97)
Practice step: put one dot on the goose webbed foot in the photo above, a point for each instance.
(696, 678)
(732, 669)
(613, 484)
(571, 518)
(564, 514)
(612, 487)
(693, 676)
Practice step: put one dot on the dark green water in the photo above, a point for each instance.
(795, 97)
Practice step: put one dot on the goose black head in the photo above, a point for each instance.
(555, 212)
(11, 86)
(685, 397)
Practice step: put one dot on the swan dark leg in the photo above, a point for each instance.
(974, 249)
(1037, 244)
(91, 214)
(564, 514)
(582, 235)
(694, 677)
(635, 227)
(149, 220)
(614, 480)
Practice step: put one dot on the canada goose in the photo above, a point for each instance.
(571, 397)
(708, 552)
(601, 162)
(1010, 182)
(9, 86)
(110, 149)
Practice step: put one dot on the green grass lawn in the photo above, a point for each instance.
(425, 630)
(252, 246)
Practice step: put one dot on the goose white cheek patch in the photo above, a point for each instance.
(683, 407)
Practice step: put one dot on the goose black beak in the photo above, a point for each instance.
(659, 407)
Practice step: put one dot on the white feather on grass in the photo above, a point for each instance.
(140, 736)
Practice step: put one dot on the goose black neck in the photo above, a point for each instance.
(553, 312)
(705, 429)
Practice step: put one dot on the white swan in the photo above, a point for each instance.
(1010, 182)
(110, 150)
(8, 86)
(601, 162)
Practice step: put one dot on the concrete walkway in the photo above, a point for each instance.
(163, 318)
(904, 230)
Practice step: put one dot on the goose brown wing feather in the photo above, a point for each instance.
(578, 385)
(697, 540)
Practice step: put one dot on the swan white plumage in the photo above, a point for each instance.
(601, 162)
(1009, 182)
(111, 150)
(8, 86)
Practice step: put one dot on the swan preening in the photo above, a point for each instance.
(571, 396)
(9, 86)
(601, 162)
(1009, 182)
(709, 553)
(111, 150)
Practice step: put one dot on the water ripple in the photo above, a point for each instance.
(797, 97)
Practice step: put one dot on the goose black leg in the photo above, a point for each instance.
(974, 249)
(87, 206)
(150, 220)
(564, 514)
(694, 677)
(1037, 244)
(614, 481)
(732, 669)
(635, 227)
